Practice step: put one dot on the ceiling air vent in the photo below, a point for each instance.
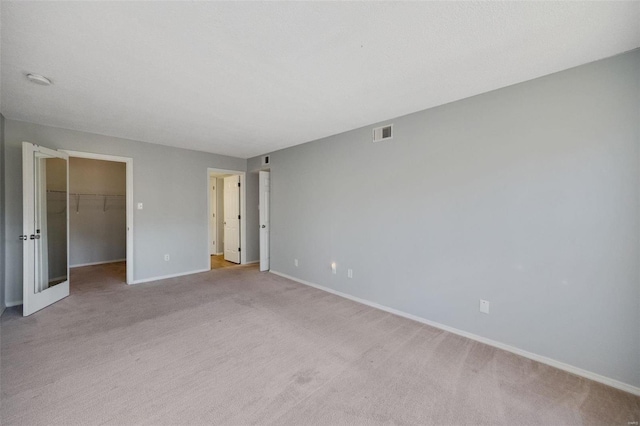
(383, 133)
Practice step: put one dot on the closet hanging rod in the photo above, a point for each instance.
(87, 195)
(104, 204)
(96, 195)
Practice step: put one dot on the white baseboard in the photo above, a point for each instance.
(12, 304)
(251, 262)
(164, 277)
(97, 263)
(542, 359)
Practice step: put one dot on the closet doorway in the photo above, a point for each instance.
(101, 214)
(225, 218)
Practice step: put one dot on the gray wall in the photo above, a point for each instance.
(526, 196)
(97, 234)
(172, 183)
(2, 215)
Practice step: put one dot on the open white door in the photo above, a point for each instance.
(213, 216)
(232, 219)
(45, 189)
(263, 206)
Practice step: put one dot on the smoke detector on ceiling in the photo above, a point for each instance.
(39, 79)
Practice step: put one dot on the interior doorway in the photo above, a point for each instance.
(226, 207)
(101, 213)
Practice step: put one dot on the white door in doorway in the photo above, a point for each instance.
(264, 220)
(232, 219)
(213, 216)
(45, 192)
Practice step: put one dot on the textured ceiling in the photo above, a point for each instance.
(243, 79)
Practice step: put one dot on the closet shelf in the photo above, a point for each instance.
(77, 196)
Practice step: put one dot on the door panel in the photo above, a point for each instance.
(264, 219)
(232, 219)
(213, 216)
(45, 185)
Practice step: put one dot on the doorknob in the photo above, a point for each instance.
(34, 237)
(264, 226)
(23, 237)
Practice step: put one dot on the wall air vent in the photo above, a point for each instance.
(266, 160)
(383, 133)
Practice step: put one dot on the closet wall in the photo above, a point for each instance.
(97, 214)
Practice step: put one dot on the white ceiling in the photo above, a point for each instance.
(244, 79)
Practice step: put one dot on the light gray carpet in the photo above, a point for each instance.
(235, 346)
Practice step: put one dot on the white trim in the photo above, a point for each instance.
(251, 262)
(164, 277)
(218, 254)
(12, 304)
(243, 212)
(80, 265)
(95, 156)
(129, 195)
(542, 359)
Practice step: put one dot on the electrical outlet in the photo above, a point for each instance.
(166, 257)
(350, 273)
(484, 306)
(295, 262)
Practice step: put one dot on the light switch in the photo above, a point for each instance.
(484, 306)
(139, 206)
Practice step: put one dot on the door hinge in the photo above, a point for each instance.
(239, 249)
(238, 184)
(238, 216)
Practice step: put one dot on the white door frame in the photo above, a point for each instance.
(243, 212)
(129, 196)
